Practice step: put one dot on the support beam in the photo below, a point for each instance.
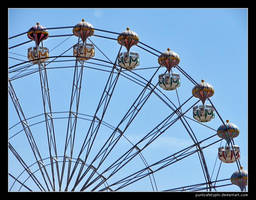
(28, 134)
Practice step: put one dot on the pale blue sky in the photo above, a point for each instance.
(212, 44)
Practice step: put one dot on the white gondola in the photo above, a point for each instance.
(169, 81)
(83, 51)
(203, 113)
(128, 60)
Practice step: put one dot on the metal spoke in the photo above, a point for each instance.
(72, 121)
(28, 132)
(99, 115)
(24, 165)
(195, 186)
(46, 100)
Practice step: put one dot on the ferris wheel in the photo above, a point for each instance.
(81, 119)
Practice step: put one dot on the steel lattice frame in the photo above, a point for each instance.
(87, 174)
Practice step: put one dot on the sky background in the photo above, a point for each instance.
(212, 44)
